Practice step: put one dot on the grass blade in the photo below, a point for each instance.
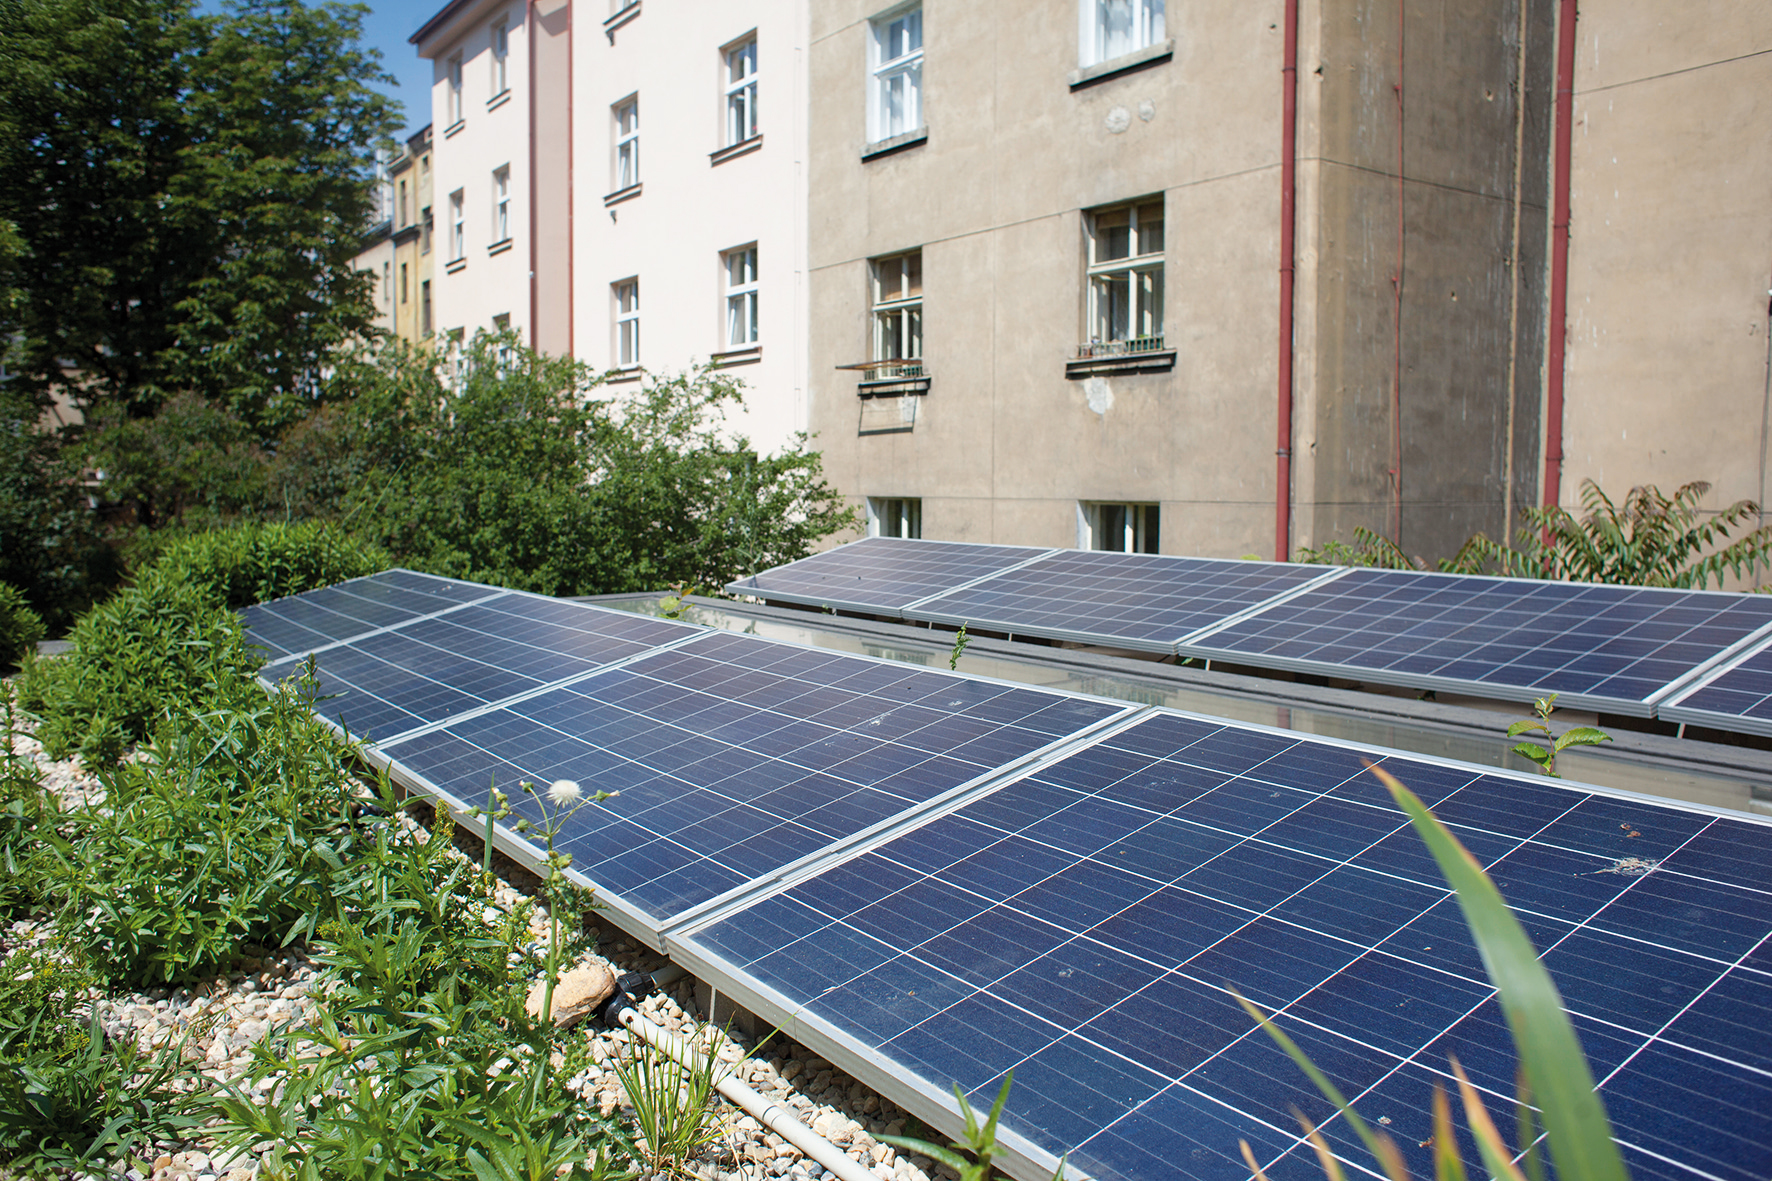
(1550, 1052)
(1489, 1141)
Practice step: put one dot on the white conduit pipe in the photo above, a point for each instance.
(772, 1115)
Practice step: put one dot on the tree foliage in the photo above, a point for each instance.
(50, 547)
(182, 197)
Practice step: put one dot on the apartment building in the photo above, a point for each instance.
(375, 256)
(690, 239)
(500, 177)
(1057, 300)
(413, 238)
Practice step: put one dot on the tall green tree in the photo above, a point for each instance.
(186, 193)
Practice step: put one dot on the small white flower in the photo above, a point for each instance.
(564, 792)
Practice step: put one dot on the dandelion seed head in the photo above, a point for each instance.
(564, 791)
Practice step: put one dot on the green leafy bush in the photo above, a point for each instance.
(422, 1060)
(228, 829)
(69, 1101)
(27, 814)
(20, 627)
(255, 562)
(159, 645)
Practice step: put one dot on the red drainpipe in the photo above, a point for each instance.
(1288, 261)
(1559, 283)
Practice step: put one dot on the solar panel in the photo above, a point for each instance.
(1737, 697)
(1144, 601)
(301, 623)
(433, 668)
(1617, 648)
(735, 756)
(1082, 926)
(880, 575)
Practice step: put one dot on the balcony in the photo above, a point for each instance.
(894, 378)
(1109, 358)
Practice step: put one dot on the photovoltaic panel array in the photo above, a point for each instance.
(1738, 697)
(1612, 648)
(1082, 927)
(1616, 648)
(1144, 601)
(304, 622)
(880, 575)
(735, 756)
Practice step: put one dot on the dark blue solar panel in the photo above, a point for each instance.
(1739, 699)
(880, 575)
(1082, 927)
(302, 623)
(432, 669)
(734, 756)
(1135, 600)
(1609, 647)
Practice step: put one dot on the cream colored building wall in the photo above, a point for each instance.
(377, 260)
(1005, 446)
(690, 209)
(413, 249)
(490, 279)
(1670, 253)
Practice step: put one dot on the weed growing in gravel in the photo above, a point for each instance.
(68, 1100)
(229, 828)
(674, 1106)
(421, 1060)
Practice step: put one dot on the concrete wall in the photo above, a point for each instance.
(692, 205)
(1670, 251)
(1004, 446)
(1437, 189)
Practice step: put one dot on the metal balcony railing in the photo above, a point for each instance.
(893, 371)
(1120, 348)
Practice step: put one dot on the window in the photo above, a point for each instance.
(501, 205)
(501, 55)
(895, 100)
(627, 144)
(1126, 279)
(627, 323)
(458, 241)
(898, 314)
(455, 111)
(1114, 28)
(424, 235)
(403, 218)
(404, 290)
(741, 92)
(895, 516)
(1124, 528)
(741, 296)
(424, 308)
(387, 285)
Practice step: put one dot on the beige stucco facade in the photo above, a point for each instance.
(1015, 437)
(414, 240)
(701, 192)
(1670, 253)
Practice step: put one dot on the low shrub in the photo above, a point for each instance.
(255, 562)
(20, 627)
(70, 1101)
(159, 645)
(422, 1060)
(228, 829)
(27, 813)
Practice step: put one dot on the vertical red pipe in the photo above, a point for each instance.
(1559, 283)
(1288, 267)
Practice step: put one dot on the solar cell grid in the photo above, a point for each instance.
(430, 669)
(734, 756)
(1739, 698)
(302, 623)
(1144, 601)
(1081, 925)
(880, 575)
(1600, 646)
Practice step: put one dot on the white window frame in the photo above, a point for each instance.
(1108, 29)
(625, 299)
(1141, 272)
(501, 58)
(739, 267)
(453, 70)
(501, 204)
(897, 319)
(740, 62)
(458, 233)
(903, 71)
(626, 116)
(1119, 526)
(895, 516)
